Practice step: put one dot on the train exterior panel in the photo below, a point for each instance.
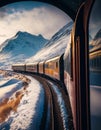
(69, 79)
(41, 67)
(53, 67)
(19, 67)
(32, 67)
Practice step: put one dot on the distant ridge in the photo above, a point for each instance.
(21, 41)
(55, 46)
(96, 42)
(25, 47)
(20, 47)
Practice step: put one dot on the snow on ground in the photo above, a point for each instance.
(1, 77)
(29, 111)
(63, 110)
(95, 95)
(8, 87)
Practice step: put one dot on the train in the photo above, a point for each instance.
(58, 68)
(53, 67)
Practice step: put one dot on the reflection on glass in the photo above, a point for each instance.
(95, 65)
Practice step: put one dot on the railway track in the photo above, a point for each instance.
(47, 122)
(52, 118)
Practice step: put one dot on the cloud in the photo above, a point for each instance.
(2, 13)
(41, 20)
(2, 35)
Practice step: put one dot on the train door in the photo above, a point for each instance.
(81, 69)
(94, 27)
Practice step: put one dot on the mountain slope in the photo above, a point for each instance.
(20, 47)
(96, 42)
(55, 46)
(23, 43)
(24, 47)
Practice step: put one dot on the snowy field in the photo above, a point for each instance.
(27, 114)
(63, 110)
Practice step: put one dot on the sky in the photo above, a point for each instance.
(33, 17)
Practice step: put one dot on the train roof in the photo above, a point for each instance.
(41, 62)
(22, 64)
(34, 63)
(54, 58)
(95, 53)
(96, 48)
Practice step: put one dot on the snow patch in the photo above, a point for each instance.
(63, 110)
(29, 111)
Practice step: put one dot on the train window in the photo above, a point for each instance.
(52, 65)
(67, 59)
(46, 65)
(56, 64)
(95, 65)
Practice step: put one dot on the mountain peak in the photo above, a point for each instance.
(98, 35)
(40, 36)
(26, 34)
(24, 41)
(20, 33)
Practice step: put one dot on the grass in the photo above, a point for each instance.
(10, 105)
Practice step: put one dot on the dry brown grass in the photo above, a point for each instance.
(10, 105)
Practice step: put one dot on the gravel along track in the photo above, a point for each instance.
(53, 118)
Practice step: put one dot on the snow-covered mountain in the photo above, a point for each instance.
(25, 47)
(24, 43)
(90, 42)
(98, 35)
(96, 42)
(55, 46)
(20, 47)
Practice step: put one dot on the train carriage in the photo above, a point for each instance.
(41, 67)
(54, 67)
(19, 67)
(32, 67)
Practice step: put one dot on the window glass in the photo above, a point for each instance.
(56, 64)
(95, 65)
(67, 59)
